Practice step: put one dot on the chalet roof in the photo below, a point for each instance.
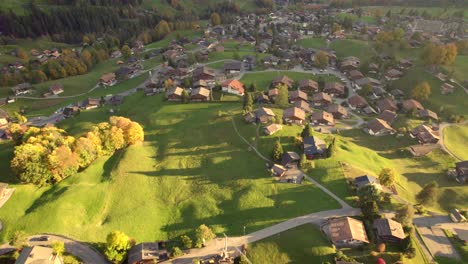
(386, 104)
(412, 104)
(278, 169)
(394, 73)
(175, 91)
(201, 91)
(298, 94)
(56, 87)
(347, 228)
(22, 87)
(144, 251)
(462, 167)
(388, 227)
(199, 83)
(322, 115)
(336, 108)
(425, 134)
(356, 75)
(107, 77)
(388, 116)
(376, 125)
(428, 113)
(273, 92)
(294, 113)
(289, 156)
(234, 84)
(314, 145)
(284, 80)
(357, 101)
(272, 128)
(334, 86)
(308, 83)
(303, 105)
(92, 101)
(232, 65)
(364, 180)
(203, 70)
(322, 97)
(263, 111)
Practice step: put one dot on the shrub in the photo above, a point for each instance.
(176, 252)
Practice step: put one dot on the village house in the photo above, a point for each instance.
(447, 88)
(90, 103)
(285, 80)
(378, 127)
(290, 159)
(261, 98)
(272, 128)
(278, 170)
(71, 111)
(386, 104)
(271, 60)
(204, 73)
(200, 95)
(360, 83)
(321, 99)
(349, 63)
(308, 86)
(233, 87)
(314, 147)
(334, 89)
(388, 230)
(22, 89)
(346, 232)
(412, 105)
(297, 95)
(425, 135)
(357, 102)
(461, 171)
(337, 111)
(232, 67)
(38, 254)
(294, 115)
(355, 75)
(108, 79)
(388, 116)
(322, 118)
(428, 114)
(116, 100)
(393, 74)
(365, 180)
(200, 84)
(273, 93)
(303, 105)
(264, 115)
(147, 252)
(175, 94)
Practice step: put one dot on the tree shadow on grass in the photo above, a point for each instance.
(450, 199)
(48, 196)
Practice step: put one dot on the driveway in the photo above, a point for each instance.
(437, 242)
(81, 250)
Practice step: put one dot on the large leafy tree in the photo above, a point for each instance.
(117, 246)
(421, 91)
(428, 194)
(387, 177)
(203, 234)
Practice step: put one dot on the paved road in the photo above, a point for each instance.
(86, 253)
(216, 246)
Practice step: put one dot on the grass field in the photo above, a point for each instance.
(461, 247)
(303, 244)
(351, 47)
(191, 169)
(456, 140)
(459, 68)
(314, 43)
(444, 105)
(442, 12)
(167, 40)
(263, 79)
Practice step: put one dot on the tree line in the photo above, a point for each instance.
(48, 155)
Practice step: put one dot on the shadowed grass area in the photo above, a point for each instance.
(192, 169)
(303, 244)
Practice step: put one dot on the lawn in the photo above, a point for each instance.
(314, 43)
(443, 12)
(49, 106)
(263, 79)
(461, 247)
(192, 169)
(303, 244)
(444, 105)
(352, 47)
(167, 40)
(459, 68)
(456, 140)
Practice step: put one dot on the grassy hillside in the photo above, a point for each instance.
(455, 139)
(191, 169)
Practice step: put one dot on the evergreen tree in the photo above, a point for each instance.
(277, 151)
(428, 194)
(282, 99)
